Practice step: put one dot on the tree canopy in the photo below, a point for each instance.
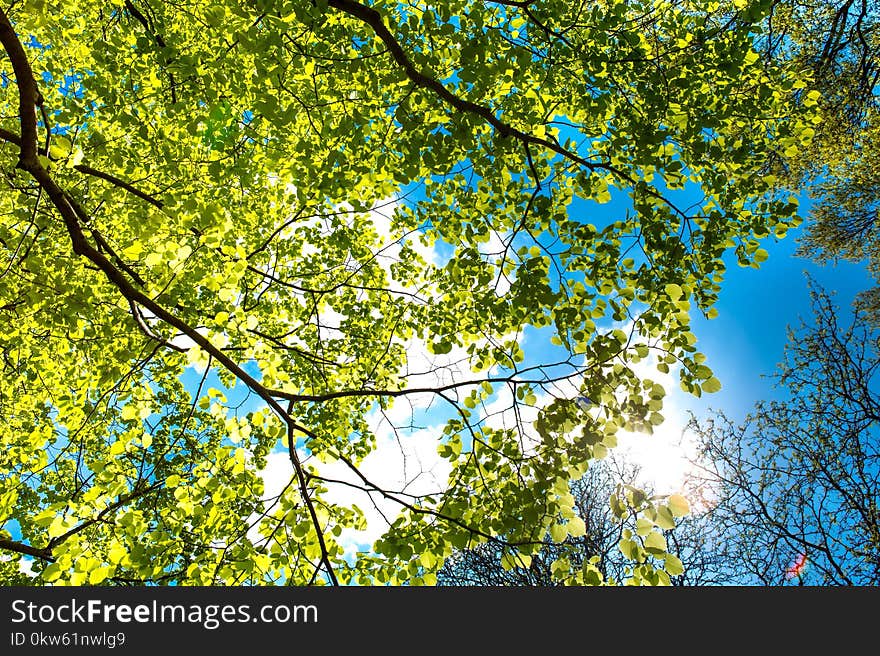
(836, 40)
(498, 212)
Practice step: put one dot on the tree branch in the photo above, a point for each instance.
(13, 138)
(26, 549)
(157, 38)
(139, 491)
(122, 184)
(304, 492)
(372, 18)
(71, 212)
(45, 553)
(28, 95)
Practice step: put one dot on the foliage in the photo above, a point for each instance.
(836, 40)
(192, 193)
(604, 552)
(797, 484)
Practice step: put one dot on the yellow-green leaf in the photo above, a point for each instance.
(655, 543)
(678, 505)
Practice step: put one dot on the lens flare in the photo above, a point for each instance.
(797, 568)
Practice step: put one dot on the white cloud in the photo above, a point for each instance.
(25, 564)
(664, 458)
(404, 463)
(26, 567)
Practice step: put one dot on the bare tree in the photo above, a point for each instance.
(798, 483)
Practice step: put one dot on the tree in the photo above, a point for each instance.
(192, 216)
(697, 561)
(798, 483)
(836, 41)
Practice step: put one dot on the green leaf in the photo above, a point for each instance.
(441, 348)
(617, 507)
(558, 533)
(99, 574)
(673, 291)
(560, 568)
(655, 543)
(153, 259)
(711, 385)
(576, 527)
(52, 572)
(665, 519)
(630, 549)
(58, 527)
(678, 505)
(673, 565)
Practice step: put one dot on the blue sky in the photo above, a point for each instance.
(756, 306)
(743, 345)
